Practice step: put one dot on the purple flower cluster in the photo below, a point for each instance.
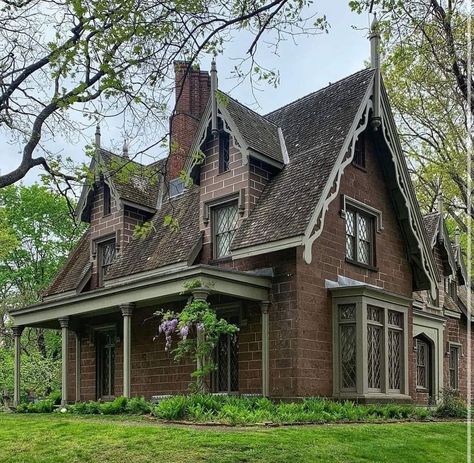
(168, 327)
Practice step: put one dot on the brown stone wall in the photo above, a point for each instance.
(252, 177)
(314, 330)
(153, 371)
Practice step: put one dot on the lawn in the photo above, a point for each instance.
(56, 439)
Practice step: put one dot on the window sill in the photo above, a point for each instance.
(361, 265)
(422, 390)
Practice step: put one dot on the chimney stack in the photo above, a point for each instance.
(192, 87)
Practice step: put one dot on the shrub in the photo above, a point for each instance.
(173, 408)
(85, 408)
(138, 406)
(451, 406)
(42, 406)
(56, 397)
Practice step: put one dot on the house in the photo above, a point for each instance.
(303, 228)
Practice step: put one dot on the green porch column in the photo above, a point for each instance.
(64, 324)
(200, 295)
(265, 348)
(17, 330)
(127, 310)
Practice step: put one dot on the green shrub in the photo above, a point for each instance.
(451, 405)
(42, 406)
(138, 406)
(117, 407)
(56, 397)
(173, 408)
(85, 408)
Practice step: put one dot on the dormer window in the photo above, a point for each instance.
(224, 143)
(360, 237)
(107, 200)
(224, 223)
(176, 187)
(359, 152)
(105, 257)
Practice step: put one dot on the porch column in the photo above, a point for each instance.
(78, 367)
(17, 330)
(64, 324)
(127, 310)
(200, 295)
(265, 349)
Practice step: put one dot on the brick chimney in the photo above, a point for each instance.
(192, 93)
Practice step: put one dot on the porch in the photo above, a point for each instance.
(107, 334)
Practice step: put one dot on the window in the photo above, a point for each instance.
(105, 342)
(359, 152)
(106, 255)
(176, 187)
(374, 347)
(347, 346)
(370, 343)
(226, 358)
(107, 200)
(422, 364)
(223, 151)
(360, 237)
(224, 227)
(454, 366)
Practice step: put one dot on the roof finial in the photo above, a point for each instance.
(97, 136)
(214, 128)
(125, 149)
(375, 63)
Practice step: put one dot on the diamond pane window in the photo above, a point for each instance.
(374, 314)
(422, 364)
(347, 346)
(225, 377)
(374, 354)
(106, 257)
(394, 358)
(454, 367)
(359, 237)
(225, 225)
(347, 312)
(395, 318)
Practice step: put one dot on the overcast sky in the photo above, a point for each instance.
(313, 62)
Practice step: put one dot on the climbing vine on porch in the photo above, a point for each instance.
(197, 329)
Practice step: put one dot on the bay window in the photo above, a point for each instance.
(370, 343)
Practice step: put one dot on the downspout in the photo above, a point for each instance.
(376, 120)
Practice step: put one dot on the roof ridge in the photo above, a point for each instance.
(317, 91)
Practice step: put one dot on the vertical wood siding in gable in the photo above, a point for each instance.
(314, 302)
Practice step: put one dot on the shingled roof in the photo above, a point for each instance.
(431, 223)
(76, 265)
(138, 184)
(259, 133)
(164, 245)
(315, 128)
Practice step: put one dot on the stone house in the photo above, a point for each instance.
(304, 227)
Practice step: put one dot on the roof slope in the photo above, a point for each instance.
(71, 272)
(133, 181)
(259, 133)
(315, 128)
(164, 245)
(431, 223)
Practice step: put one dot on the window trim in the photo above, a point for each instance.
(98, 243)
(358, 212)
(458, 347)
(213, 210)
(363, 296)
(427, 366)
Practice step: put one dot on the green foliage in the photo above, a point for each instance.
(40, 234)
(451, 406)
(119, 406)
(42, 406)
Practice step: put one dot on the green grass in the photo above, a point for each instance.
(57, 438)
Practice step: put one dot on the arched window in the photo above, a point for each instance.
(423, 364)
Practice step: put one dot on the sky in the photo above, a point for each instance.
(305, 66)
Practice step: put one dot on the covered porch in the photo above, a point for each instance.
(113, 326)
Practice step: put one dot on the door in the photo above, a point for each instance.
(105, 343)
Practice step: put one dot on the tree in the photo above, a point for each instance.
(38, 232)
(426, 74)
(103, 58)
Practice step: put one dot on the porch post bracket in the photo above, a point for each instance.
(201, 294)
(17, 330)
(64, 324)
(264, 305)
(127, 311)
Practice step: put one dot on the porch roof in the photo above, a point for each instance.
(156, 286)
